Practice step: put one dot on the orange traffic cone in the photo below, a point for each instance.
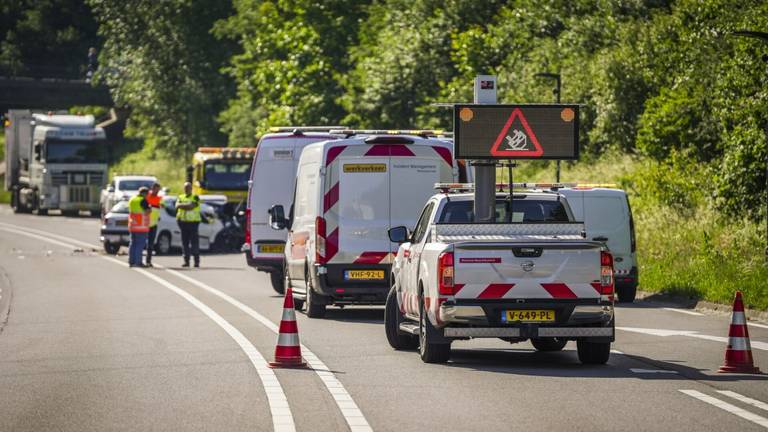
(288, 349)
(738, 355)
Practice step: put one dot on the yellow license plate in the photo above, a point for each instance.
(271, 248)
(364, 274)
(529, 315)
(121, 223)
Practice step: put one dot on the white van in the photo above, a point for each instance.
(273, 175)
(349, 192)
(608, 218)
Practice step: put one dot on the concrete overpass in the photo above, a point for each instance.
(50, 94)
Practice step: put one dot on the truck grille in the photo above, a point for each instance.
(79, 194)
(79, 178)
(59, 179)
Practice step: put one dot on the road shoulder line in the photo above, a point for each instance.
(725, 406)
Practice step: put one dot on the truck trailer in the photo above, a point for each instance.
(54, 162)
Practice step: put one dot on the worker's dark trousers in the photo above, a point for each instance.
(190, 240)
(151, 243)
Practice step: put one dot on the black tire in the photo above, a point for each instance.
(95, 213)
(549, 344)
(314, 309)
(627, 293)
(593, 352)
(163, 243)
(71, 213)
(111, 248)
(278, 281)
(392, 319)
(41, 212)
(429, 351)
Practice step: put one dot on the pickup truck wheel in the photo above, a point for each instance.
(111, 248)
(163, 243)
(593, 352)
(430, 352)
(314, 310)
(392, 318)
(278, 281)
(548, 344)
(626, 294)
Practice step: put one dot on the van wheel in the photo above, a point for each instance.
(278, 281)
(593, 352)
(548, 344)
(163, 243)
(314, 310)
(429, 351)
(392, 319)
(111, 248)
(627, 294)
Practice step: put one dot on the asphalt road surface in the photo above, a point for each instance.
(87, 344)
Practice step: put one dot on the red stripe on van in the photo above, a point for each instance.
(445, 154)
(331, 245)
(495, 291)
(333, 153)
(331, 198)
(558, 290)
(389, 150)
(371, 257)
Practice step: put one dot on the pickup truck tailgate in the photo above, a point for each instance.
(527, 271)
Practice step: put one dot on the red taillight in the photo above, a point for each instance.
(606, 274)
(247, 226)
(320, 240)
(445, 274)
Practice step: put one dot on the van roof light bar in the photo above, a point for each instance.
(295, 129)
(424, 133)
(555, 186)
(454, 187)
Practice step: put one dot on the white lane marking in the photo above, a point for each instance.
(282, 418)
(349, 409)
(763, 346)
(49, 234)
(733, 409)
(683, 311)
(763, 326)
(652, 371)
(746, 400)
(616, 352)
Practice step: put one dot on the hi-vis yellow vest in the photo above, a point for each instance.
(138, 218)
(192, 215)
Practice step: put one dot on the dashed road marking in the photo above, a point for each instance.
(763, 346)
(747, 400)
(733, 409)
(652, 371)
(282, 418)
(683, 311)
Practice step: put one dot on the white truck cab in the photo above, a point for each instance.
(348, 193)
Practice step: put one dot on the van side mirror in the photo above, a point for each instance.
(38, 151)
(398, 234)
(277, 219)
(110, 189)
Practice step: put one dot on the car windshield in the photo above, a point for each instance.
(522, 210)
(121, 207)
(61, 151)
(132, 185)
(227, 175)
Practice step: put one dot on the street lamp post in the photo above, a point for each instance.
(764, 37)
(556, 77)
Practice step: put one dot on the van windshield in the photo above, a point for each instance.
(221, 175)
(522, 210)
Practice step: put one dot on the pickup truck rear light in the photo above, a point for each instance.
(445, 274)
(320, 240)
(606, 275)
(248, 226)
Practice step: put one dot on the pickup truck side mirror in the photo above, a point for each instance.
(277, 220)
(398, 234)
(38, 151)
(110, 189)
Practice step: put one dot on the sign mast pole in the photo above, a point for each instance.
(485, 170)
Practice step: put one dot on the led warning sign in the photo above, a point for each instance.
(516, 131)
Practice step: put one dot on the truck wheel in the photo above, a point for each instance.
(626, 294)
(548, 344)
(593, 352)
(314, 310)
(278, 281)
(41, 212)
(163, 243)
(111, 248)
(429, 351)
(392, 319)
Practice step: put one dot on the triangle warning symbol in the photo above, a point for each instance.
(516, 138)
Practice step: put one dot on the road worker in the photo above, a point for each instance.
(138, 226)
(188, 217)
(154, 199)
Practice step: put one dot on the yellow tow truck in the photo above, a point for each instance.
(221, 171)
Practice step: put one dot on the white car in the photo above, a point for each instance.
(169, 234)
(122, 188)
(349, 192)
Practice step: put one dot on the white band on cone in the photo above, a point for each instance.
(289, 314)
(739, 318)
(739, 344)
(288, 339)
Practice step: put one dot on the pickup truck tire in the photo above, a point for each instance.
(314, 309)
(111, 248)
(278, 281)
(548, 344)
(392, 318)
(626, 294)
(593, 352)
(429, 351)
(163, 243)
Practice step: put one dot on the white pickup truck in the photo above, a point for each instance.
(529, 275)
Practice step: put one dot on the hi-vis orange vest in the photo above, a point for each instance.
(138, 218)
(154, 204)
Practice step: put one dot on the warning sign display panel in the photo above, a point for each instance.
(516, 131)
